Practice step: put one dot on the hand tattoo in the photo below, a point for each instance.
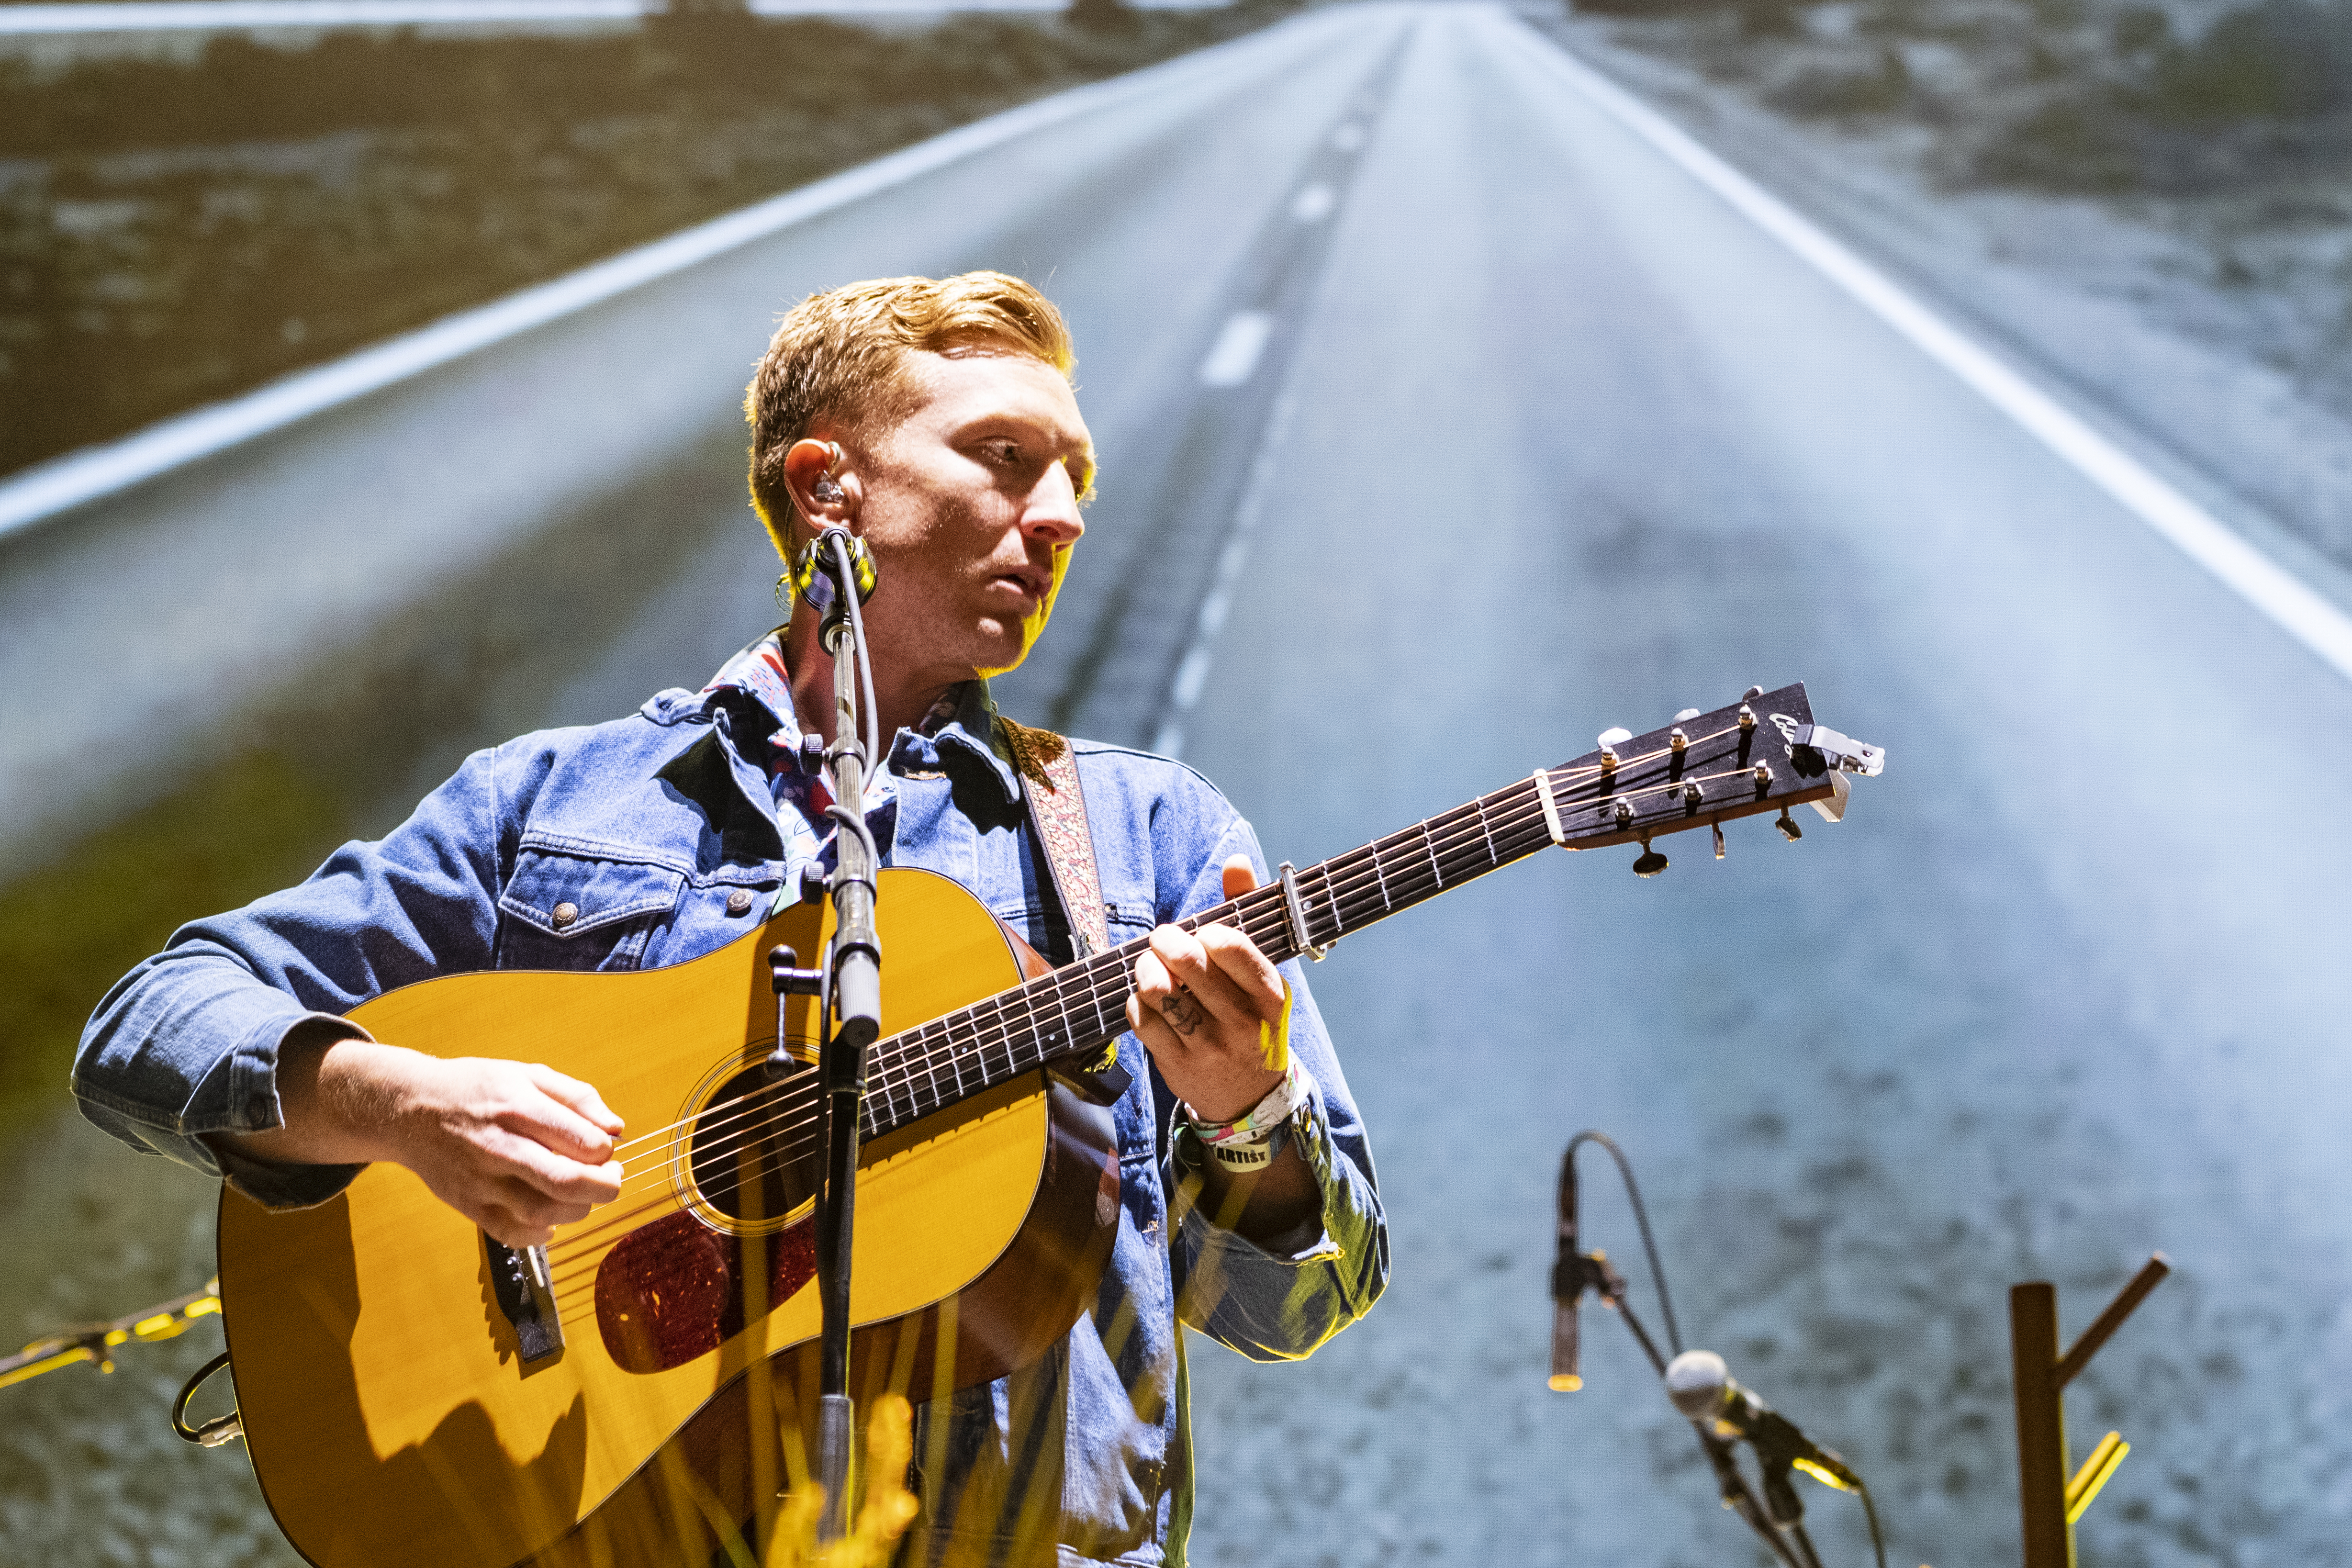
(1182, 1013)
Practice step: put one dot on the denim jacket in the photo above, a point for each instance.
(645, 825)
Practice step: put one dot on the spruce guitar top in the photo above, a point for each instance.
(413, 1393)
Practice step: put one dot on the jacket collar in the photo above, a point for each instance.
(758, 677)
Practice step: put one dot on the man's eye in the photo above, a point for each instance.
(1002, 452)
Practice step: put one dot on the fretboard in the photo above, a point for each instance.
(1073, 1012)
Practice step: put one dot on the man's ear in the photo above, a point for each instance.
(823, 490)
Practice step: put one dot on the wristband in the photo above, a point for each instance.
(1251, 1139)
(1248, 1159)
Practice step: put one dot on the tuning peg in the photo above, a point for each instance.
(1651, 863)
(1610, 739)
(1686, 715)
(1677, 741)
(1751, 694)
(1718, 838)
(1788, 827)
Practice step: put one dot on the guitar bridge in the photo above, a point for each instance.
(519, 1283)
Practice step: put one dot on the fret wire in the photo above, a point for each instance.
(1020, 1024)
(1525, 813)
(1062, 1030)
(916, 1062)
(930, 1059)
(1478, 858)
(893, 1069)
(901, 1063)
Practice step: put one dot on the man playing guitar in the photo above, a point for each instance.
(935, 420)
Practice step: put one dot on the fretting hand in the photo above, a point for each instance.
(1199, 1001)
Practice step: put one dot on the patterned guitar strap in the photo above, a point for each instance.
(1057, 811)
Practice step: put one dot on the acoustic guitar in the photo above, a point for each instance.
(413, 1393)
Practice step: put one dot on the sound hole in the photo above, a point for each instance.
(756, 1155)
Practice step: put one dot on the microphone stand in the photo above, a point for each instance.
(1737, 1496)
(1577, 1271)
(850, 1015)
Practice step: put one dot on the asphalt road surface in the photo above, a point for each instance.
(1445, 424)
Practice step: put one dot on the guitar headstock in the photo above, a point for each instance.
(1762, 753)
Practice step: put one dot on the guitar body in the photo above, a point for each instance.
(389, 1408)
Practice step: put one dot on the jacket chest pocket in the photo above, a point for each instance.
(578, 909)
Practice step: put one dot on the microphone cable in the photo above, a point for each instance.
(1640, 1218)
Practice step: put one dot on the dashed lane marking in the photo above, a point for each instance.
(1236, 353)
(1192, 674)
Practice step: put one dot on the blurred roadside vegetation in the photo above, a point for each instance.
(175, 232)
(2099, 96)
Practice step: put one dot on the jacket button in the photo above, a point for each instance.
(564, 914)
(739, 902)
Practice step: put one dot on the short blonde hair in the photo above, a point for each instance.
(842, 355)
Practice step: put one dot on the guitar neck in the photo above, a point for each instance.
(1073, 1012)
(1760, 755)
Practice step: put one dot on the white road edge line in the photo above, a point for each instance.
(60, 484)
(99, 17)
(2289, 602)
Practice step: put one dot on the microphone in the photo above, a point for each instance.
(1703, 1388)
(1569, 1279)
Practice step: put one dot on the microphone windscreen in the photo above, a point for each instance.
(1565, 1378)
(1695, 1382)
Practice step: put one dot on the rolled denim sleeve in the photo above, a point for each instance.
(1281, 1300)
(187, 1045)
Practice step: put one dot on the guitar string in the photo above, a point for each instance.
(786, 1110)
(1446, 868)
(1517, 829)
(1456, 835)
(1572, 773)
(1526, 823)
(702, 1125)
(901, 1076)
(902, 1072)
(912, 1068)
(1458, 825)
(683, 1122)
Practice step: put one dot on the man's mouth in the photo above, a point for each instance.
(1031, 586)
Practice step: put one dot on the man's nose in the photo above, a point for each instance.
(1052, 515)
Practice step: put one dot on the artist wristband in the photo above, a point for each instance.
(1251, 1140)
